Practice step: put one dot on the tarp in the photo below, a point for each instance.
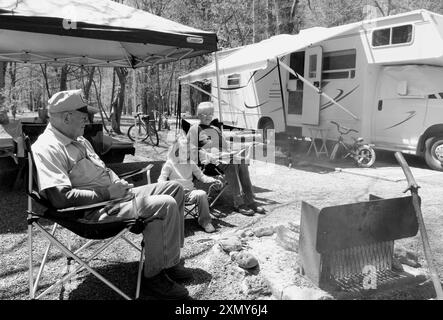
(256, 56)
(99, 32)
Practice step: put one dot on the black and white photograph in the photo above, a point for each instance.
(223, 156)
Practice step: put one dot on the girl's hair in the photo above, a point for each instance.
(180, 144)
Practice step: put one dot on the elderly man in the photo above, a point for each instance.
(70, 173)
(206, 142)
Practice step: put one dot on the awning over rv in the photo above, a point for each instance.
(256, 56)
(99, 32)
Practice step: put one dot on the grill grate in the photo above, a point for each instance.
(353, 261)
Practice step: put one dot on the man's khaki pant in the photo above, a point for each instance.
(162, 207)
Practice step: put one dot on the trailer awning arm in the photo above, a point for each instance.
(307, 82)
(205, 92)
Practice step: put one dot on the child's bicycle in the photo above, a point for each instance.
(363, 154)
(143, 128)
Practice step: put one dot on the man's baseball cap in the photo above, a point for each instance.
(68, 101)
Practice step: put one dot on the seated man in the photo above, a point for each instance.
(207, 143)
(70, 174)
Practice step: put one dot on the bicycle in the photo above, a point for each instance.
(363, 154)
(143, 128)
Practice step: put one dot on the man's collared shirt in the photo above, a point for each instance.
(62, 161)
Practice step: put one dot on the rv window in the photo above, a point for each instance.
(389, 36)
(381, 37)
(339, 64)
(313, 66)
(297, 64)
(335, 75)
(234, 80)
(402, 34)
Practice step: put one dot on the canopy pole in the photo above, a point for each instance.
(218, 90)
(178, 124)
(307, 82)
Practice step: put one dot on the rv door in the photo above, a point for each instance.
(311, 98)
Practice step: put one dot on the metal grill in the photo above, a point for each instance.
(344, 245)
(352, 261)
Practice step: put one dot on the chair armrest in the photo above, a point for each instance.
(98, 204)
(137, 171)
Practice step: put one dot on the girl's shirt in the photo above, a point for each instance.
(183, 173)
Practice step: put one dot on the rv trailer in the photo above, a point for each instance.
(381, 77)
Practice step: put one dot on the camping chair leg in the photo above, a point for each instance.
(218, 196)
(140, 269)
(31, 271)
(83, 263)
(43, 263)
(131, 243)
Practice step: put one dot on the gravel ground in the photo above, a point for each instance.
(279, 188)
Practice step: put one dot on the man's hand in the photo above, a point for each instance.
(119, 189)
(217, 184)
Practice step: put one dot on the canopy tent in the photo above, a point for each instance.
(257, 56)
(94, 33)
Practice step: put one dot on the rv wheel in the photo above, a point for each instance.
(434, 153)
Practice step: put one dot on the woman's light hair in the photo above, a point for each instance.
(181, 144)
(203, 106)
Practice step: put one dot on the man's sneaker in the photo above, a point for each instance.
(179, 273)
(244, 210)
(162, 287)
(256, 208)
(209, 228)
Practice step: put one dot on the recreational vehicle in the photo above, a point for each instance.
(381, 77)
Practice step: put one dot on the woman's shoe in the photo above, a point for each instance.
(209, 228)
(244, 210)
(257, 209)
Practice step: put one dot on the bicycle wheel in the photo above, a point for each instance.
(137, 132)
(365, 156)
(153, 134)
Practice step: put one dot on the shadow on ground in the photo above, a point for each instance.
(124, 276)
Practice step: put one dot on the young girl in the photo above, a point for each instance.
(178, 167)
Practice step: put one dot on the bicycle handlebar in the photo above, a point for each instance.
(347, 130)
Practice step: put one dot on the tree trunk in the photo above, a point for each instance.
(64, 78)
(122, 74)
(45, 77)
(2, 74)
(160, 99)
(270, 19)
(284, 7)
(88, 84)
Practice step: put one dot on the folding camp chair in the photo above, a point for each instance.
(191, 208)
(72, 220)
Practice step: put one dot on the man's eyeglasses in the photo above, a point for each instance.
(206, 115)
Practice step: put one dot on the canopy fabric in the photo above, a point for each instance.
(256, 56)
(94, 33)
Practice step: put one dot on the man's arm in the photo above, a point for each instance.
(65, 196)
(201, 176)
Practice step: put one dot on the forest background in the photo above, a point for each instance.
(118, 91)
